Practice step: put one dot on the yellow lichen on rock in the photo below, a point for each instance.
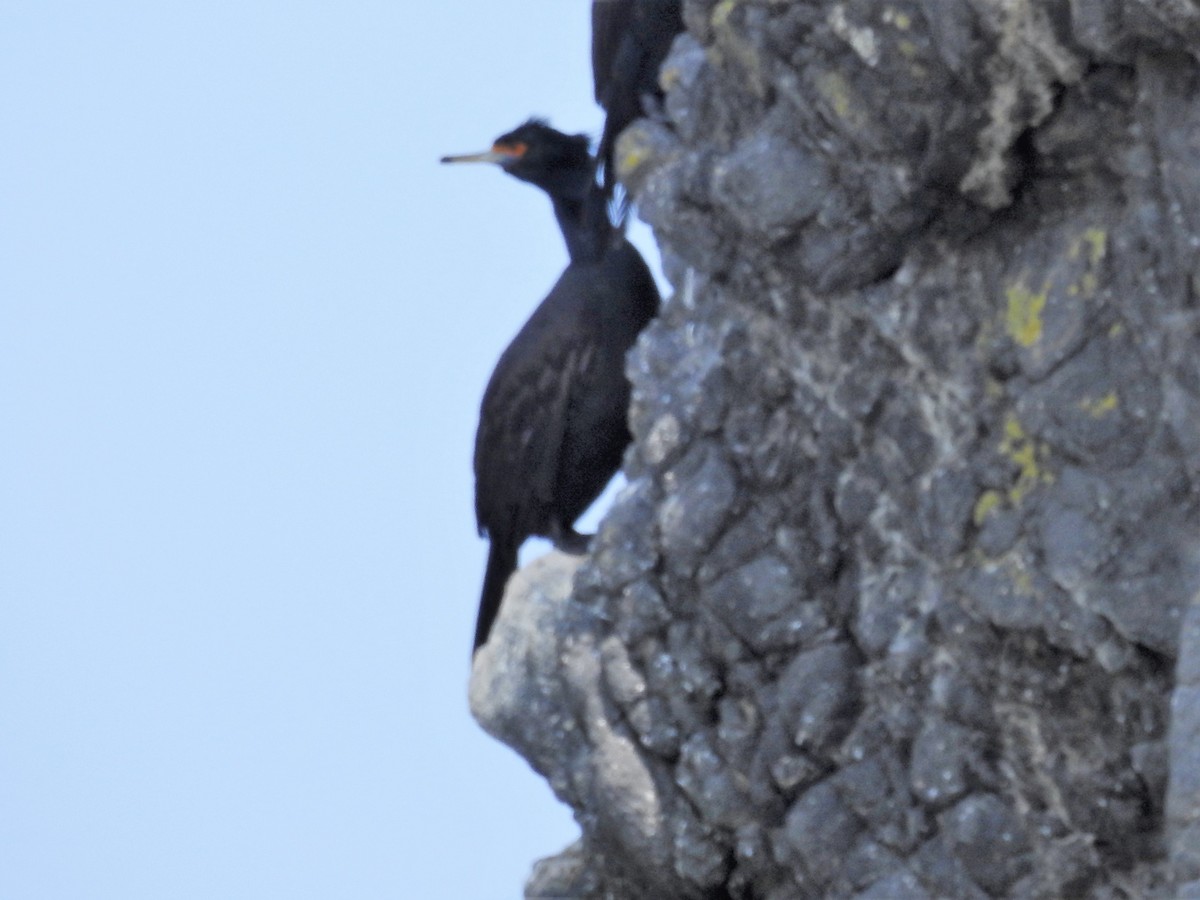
(987, 501)
(631, 154)
(1019, 447)
(836, 90)
(1099, 407)
(1029, 456)
(1092, 245)
(1024, 319)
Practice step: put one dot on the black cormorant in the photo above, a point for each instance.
(552, 425)
(630, 40)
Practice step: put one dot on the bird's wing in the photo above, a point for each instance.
(523, 416)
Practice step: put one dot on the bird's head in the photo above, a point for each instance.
(558, 163)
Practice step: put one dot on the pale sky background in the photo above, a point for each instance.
(245, 322)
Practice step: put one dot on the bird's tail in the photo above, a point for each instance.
(502, 562)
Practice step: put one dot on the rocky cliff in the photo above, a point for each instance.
(900, 600)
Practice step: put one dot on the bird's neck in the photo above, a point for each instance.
(584, 225)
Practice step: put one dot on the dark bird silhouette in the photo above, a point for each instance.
(552, 425)
(630, 40)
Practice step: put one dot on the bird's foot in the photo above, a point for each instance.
(568, 540)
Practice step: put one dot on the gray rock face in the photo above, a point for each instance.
(900, 599)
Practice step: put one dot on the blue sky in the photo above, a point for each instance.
(245, 321)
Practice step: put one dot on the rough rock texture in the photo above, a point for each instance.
(901, 599)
